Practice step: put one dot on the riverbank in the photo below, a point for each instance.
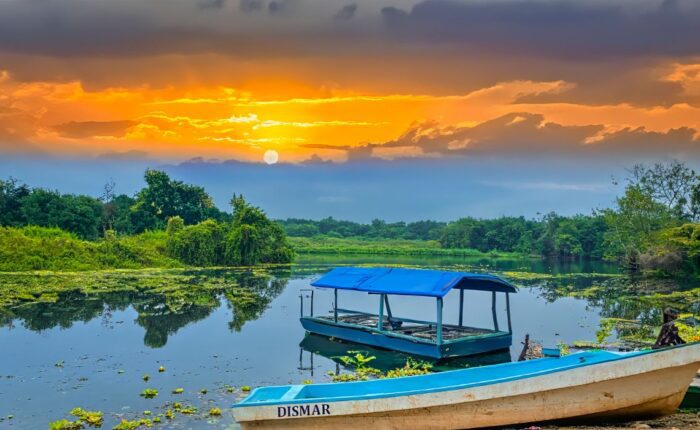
(362, 246)
(52, 249)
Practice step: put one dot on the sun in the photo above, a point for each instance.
(271, 156)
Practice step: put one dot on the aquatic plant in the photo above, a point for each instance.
(411, 368)
(203, 391)
(188, 410)
(91, 418)
(169, 414)
(66, 425)
(563, 348)
(146, 377)
(245, 388)
(357, 360)
(128, 425)
(178, 391)
(607, 325)
(230, 389)
(161, 369)
(149, 393)
(307, 381)
(215, 412)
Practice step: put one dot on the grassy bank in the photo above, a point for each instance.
(41, 248)
(52, 249)
(332, 245)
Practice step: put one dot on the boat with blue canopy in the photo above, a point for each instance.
(434, 339)
(584, 385)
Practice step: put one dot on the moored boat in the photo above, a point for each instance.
(434, 339)
(583, 385)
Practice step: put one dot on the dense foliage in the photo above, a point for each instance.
(46, 230)
(652, 228)
(552, 235)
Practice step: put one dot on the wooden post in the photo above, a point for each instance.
(335, 305)
(493, 310)
(380, 320)
(461, 305)
(510, 327)
(439, 321)
(312, 303)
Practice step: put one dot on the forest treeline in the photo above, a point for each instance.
(166, 223)
(653, 227)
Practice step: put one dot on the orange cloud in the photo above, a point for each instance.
(180, 122)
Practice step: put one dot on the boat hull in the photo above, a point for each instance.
(645, 386)
(461, 348)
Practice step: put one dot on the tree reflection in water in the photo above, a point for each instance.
(163, 306)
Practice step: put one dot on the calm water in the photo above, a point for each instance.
(92, 350)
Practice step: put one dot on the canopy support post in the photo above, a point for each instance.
(335, 305)
(461, 305)
(493, 310)
(510, 327)
(439, 321)
(389, 316)
(380, 320)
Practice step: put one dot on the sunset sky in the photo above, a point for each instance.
(166, 81)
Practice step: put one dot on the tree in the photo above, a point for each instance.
(674, 185)
(254, 238)
(12, 194)
(630, 225)
(163, 198)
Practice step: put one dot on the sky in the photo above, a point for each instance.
(396, 109)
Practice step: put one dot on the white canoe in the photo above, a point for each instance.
(583, 385)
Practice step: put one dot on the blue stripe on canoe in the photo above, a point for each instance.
(436, 382)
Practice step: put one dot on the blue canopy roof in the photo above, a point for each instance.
(410, 282)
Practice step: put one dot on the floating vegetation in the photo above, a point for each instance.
(188, 410)
(412, 368)
(307, 381)
(230, 389)
(66, 425)
(245, 388)
(169, 414)
(149, 393)
(203, 391)
(146, 377)
(133, 425)
(161, 369)
(215, 412)
(91, 418)
(178, 391)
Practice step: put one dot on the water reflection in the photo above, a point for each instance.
(161, 310)
(384, 360)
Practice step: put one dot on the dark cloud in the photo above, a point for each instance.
(567, 30)
(642, 141)
(80, 130)
(346, 13)
(249, 6)
(211, 4)
(528, 134)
